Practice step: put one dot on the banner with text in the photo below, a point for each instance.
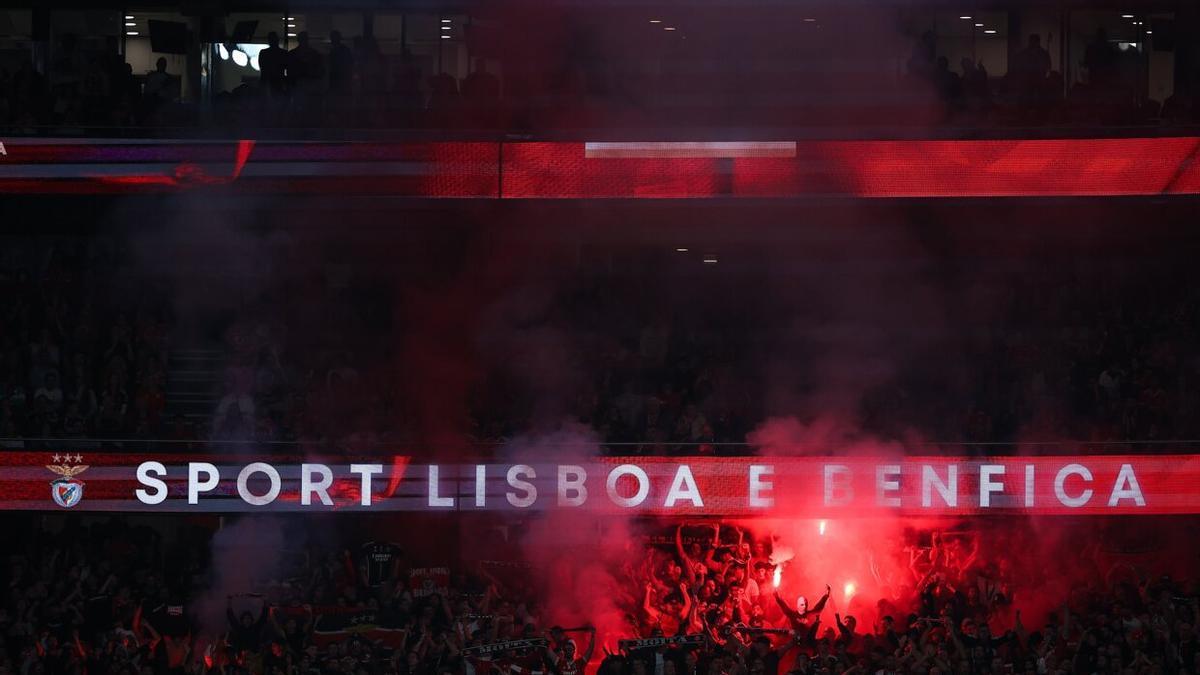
(685, 486)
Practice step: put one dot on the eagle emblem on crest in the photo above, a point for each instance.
(67, 490)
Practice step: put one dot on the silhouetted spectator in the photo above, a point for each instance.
(1100, 59)
(306, 68)
(273, 63)
(305, 65)
(443, 95)
(949, 85)
(481, 87)
(1030, 67)
(158, 83)
(923, 60)
(974, 85)
(115, 68)
(341, 65)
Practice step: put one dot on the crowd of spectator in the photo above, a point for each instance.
(79, 87)
(341, 83)
(83, 351)
(1098, 357)
(1104, 357)
(1032, 93)
(109, 596)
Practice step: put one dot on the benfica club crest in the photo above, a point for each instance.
(67, 490)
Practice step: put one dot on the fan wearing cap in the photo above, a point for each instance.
(567, 660)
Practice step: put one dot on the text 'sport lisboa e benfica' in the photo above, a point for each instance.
(759, 486)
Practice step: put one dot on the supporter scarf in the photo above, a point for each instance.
(675, 641)
(507, 645)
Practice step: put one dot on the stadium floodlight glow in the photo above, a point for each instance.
(240, 57)
(222, 52)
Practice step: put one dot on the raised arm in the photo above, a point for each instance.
(587, 653)
(952, 630)
(273, 614)
(821, 603)
(790, 613)
(688, 564)
(648, 603)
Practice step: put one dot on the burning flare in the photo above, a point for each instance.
(778, 574)
(821, 528)
(849, 590)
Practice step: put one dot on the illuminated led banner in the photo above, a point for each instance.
(698, 169)
(691, 486)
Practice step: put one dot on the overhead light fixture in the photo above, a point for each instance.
(131, 32)
(240, 57)
(965, 18)
(130, 24)
(809, 19)
(655, 20)
(289, 18)
(710, 260)
(222, 52)
(1149, 32)
(1133, 44)
(291, 25)
(681, 249)
(445, 37)
(445, 20)
(128, 16)
(1126, 16)
(669, 28)
(445, 27)
(979, 25)
(291, 35)
(990, 31)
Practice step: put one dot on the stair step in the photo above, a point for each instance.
(194, 375)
